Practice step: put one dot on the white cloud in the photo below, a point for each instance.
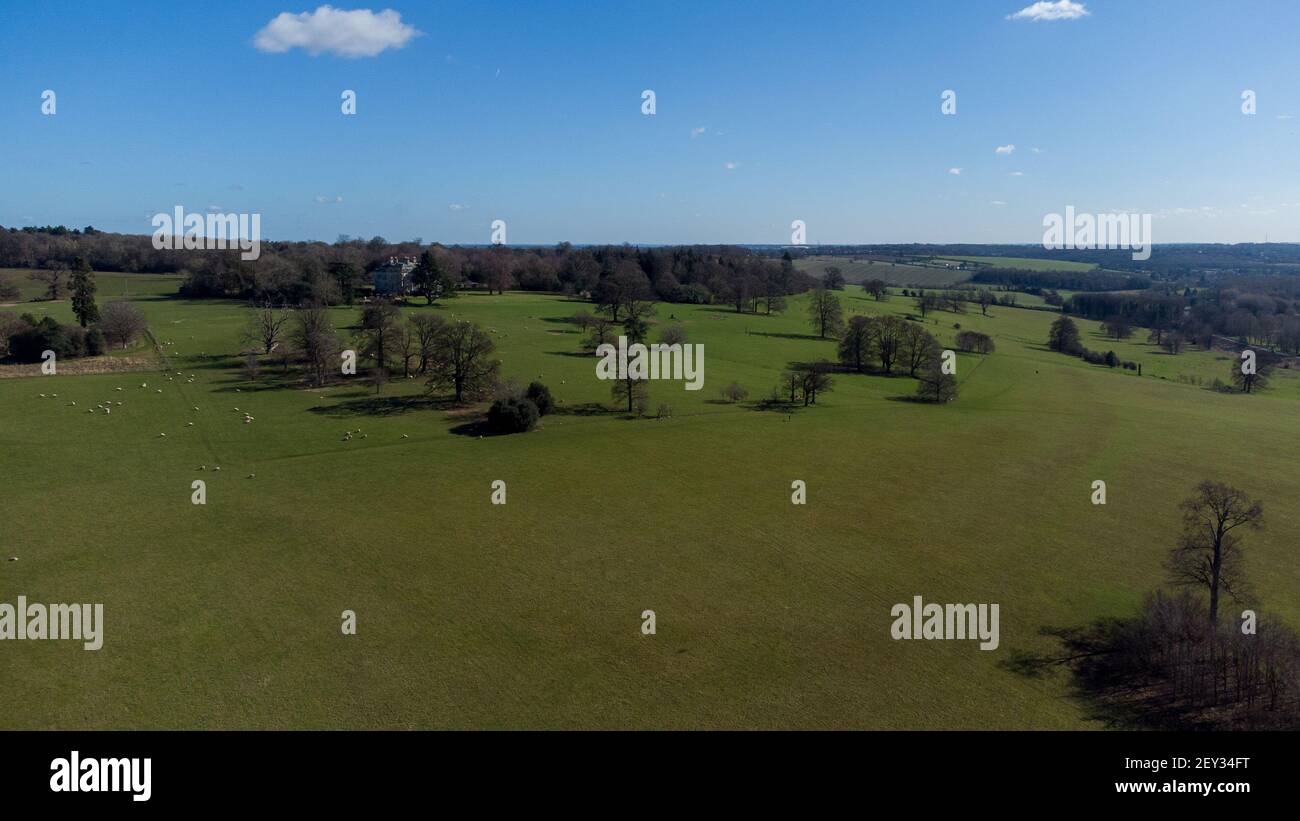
(358, 33)
(1004, 150)
(1285, 117)
(329, 200)
(956, 172)
(696, 132)
(214, 209)
(997, 202)
(1036, 150)
(1044, 10)
(1017, 173)
(731, 166)
(455, 206)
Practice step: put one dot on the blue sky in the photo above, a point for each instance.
(531, 113)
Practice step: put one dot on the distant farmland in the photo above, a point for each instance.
(1027, 263)
(860, 269)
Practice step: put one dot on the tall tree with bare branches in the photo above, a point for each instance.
(1209, 551)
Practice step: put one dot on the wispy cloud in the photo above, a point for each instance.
(997, 203)
(1017, 174)
(696, 132)
(956, 172)
(327, 30)
(1044, 10)
(731, 166)
(322, 200)
(455, 206)
(1004, 150)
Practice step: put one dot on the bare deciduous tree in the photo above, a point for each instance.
(314, 337)
(121, 322)
(425, 328)
(266, 327)
(463, 361)
(825, 312)
(1209, 551)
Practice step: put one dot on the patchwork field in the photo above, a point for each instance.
(859, 270)
(1028, 263)
(527, 614)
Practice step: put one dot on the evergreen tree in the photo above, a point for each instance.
(83, 293)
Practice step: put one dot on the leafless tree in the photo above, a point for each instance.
(313, 335)
(1209, 551)
(121, 322)
(916, 347)
(855, 345)
(425, 328)
(52, 278)
(266, 327)
(825, 312)
(463, 361)
(377, 340)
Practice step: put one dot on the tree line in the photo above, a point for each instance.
(334, 273)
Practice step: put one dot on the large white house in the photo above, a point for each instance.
(394, 276)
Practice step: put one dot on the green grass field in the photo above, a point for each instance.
(860, 270)
(528, 614)
(111, 286)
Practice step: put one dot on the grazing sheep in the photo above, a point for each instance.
(217, 468)
(162, 434)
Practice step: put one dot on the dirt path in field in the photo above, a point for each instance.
(84, 365)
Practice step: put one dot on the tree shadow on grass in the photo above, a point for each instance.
(383, 406)
(813, 337)
(1109, 695)
(582, 409)
(578, 354)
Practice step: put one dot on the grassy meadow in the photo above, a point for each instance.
(891, 273)
(473, 615)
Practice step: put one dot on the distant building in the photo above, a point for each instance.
(394, 276)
